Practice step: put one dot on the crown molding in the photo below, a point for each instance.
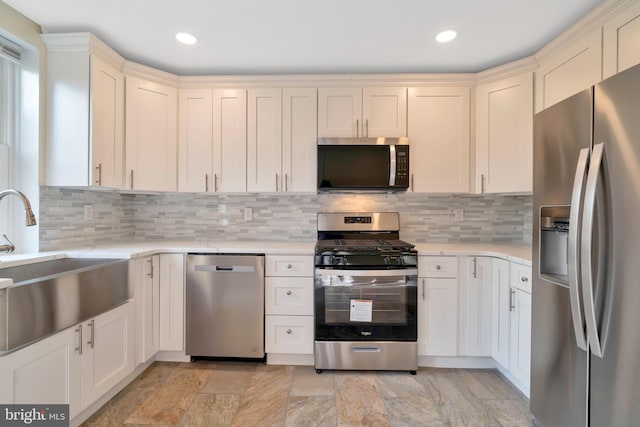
(145, 72)
(82, 43)
(528, 64)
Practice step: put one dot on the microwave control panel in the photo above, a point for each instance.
(402, 166)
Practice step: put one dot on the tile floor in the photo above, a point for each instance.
(248, 394)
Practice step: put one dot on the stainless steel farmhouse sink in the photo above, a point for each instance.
(49, 296)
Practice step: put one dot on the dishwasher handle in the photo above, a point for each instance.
(225, 268)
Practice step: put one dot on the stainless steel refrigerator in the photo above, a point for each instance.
(585, 365)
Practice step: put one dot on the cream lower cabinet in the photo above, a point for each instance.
(146, 276)
(437, 306)
(501, 313)
(504, 135)
(520, 325)
(438, 129)
(478, 313)
(172, 288)
(151, 136)
(289, 305)
(75, 366)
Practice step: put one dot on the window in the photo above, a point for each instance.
(9, 107)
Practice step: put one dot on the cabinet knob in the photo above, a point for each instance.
(289, 331)
(524, 279)
(288, 292)
(289, 266)
(438, 267)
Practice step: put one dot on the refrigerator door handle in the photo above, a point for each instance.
(573, 248)
(586, 251)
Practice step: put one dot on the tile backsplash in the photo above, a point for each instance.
(119, 217)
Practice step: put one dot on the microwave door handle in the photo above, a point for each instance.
(392, 166)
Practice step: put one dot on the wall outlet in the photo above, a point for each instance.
(224, 222)
(248, 214)
(88, 212)
(458, 214)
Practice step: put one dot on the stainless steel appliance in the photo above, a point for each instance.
(365, 291)
(225, 305)
(585, 343)
(363, 164)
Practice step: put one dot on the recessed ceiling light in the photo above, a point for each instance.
(446, 36)
(186, 38)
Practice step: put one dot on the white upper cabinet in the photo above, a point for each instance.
(85, 112)
(621, 41)
(569, 70)
(264, 140)
(299, 139)
(438, 130)
(362, 112)
(504, 135)
(195, 140)
(151, 136)
(229, 140)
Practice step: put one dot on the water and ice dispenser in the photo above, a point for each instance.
(554, 238)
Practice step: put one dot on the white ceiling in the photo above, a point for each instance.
(313, 36)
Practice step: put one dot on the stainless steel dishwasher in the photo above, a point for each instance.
(225, 306)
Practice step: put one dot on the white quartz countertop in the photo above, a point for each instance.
(512, 252)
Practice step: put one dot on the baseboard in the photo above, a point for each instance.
(517, 383)
(290, 359)
(462, 362)
(172, 356)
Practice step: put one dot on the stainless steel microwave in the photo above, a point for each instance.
(363, 164)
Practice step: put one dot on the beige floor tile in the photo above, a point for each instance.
(306, 382)
(211, 410)
(311, 411)
(358, 400)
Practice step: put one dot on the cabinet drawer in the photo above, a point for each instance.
(289, 334)
(288, 265)
(289, 295)
(521, 277)
(438, 266)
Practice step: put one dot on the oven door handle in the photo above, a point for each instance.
(365, 273)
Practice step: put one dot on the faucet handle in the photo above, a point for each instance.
(10, 247)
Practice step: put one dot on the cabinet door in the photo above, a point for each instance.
(621, 41)
(478, 306)
(109, 353)
(504, 136)
(520, 365)
(107, 125)
(501, 309)
(151, 136)
(195, 140)
(384, 111)
(438, 317)
(150, 339)
(47, 372)
(230, 140)
(264, 140)
(299, 139)
(438, 129)
(339, 111)
(289, 334)
(570, 70)
(172, 282)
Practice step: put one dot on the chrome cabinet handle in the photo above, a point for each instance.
(575, 215)
(357, 128)
(276, 182)
(438, 267)
(524, 279)
(366, 126)
(482, 183)
(150, 273)
(206, 183)
(99, 174)
(286, 182)
(132, 179)
(288, 292)
(92, 326)
(512, 295)
(412, 189)
(593, 178)
(475, 267)
(289, 331)
(423, 292)
(289, 266)
(215, 182)
(79, 347)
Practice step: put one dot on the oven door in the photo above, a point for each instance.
(366, 305)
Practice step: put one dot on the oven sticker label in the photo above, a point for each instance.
(361, 310)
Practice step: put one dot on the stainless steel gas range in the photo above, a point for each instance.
(365, 291)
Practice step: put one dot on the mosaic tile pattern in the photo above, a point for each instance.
(203, 217)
